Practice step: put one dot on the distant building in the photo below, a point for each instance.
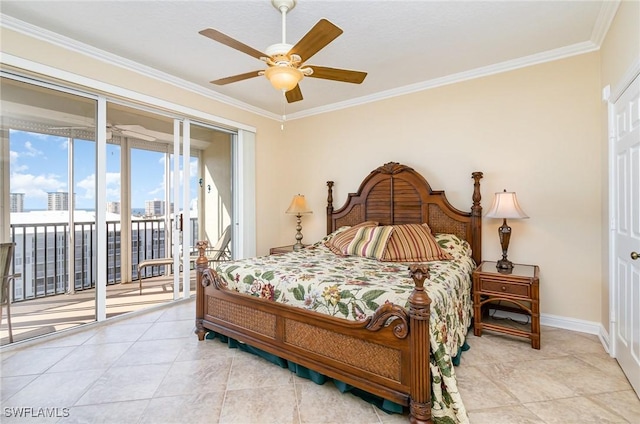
(113, 207)
(154, 207)
(58, 201)
(16, 201)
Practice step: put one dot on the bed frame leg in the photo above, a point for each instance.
(202, 263)
(419, 313)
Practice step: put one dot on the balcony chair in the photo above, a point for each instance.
(219, 252)
(6, 258)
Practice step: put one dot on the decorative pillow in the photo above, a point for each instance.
(413, 243)
(339, 243)
(370, 242)
(329, 236)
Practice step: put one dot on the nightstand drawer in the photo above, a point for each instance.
(522, 290)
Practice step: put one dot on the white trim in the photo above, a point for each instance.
(109, 89)
(604, 339)
(608, 11)
(625, 81)
(186, 207)
(101, 210)
(606, 96)
(177, 236)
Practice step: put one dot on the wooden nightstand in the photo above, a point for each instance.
(280, 250)
(519, 289)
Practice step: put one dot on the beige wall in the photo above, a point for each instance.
(534, 130)
(620, 51)
(537, 131)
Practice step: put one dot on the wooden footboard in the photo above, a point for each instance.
(383, 356)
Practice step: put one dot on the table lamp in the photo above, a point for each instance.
(298, 207)
(505, 205)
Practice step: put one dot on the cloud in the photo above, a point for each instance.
(31, 151)
(13, 162)
(36, 186)
(86, 188)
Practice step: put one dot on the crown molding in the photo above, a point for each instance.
(608, 11)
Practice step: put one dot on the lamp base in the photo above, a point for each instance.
(298, 246)
(504, 265)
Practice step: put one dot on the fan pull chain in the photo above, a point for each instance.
(284, 107)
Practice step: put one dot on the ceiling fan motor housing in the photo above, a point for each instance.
(278, 52)
(286, 4)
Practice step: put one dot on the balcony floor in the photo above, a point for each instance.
(36, 317)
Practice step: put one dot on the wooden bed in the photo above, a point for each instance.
(393, 355)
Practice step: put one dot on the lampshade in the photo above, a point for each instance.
(283, 77)
(505, 205)
(299, 206)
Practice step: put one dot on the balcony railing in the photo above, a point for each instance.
(41, 255)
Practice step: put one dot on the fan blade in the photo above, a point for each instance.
(315, 40)
(234, 44)
(334, 74)
(294, 95)
(137, 135)
(135, 130)
(236, 78)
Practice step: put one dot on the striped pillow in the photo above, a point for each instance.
(370, 242)
(413, 243)
(339, 243)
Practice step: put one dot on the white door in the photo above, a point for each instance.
(626, 147)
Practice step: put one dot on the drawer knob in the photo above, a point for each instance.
(504, 288)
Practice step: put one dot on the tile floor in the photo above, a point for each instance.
(150, 368)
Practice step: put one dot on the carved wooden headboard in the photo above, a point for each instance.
(396, 194)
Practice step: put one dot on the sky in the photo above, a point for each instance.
(39, 164)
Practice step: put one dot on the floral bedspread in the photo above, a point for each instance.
(353, 287)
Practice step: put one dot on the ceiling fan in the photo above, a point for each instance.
(134, 131)
(286, 63)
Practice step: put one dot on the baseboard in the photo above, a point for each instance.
(556, 321)
(603, 335)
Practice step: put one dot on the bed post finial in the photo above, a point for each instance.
(476, 208)
(476, 218)
(329, 206)
(419, 314)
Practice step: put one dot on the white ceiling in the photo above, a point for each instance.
(403, 45)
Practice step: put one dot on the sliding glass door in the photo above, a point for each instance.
(91, 187)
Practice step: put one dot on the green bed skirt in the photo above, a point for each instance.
(304, 372)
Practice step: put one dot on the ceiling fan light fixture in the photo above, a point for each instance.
(283, 78)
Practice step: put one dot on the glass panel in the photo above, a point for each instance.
(215, 196)
(145, 138)
(41, 126)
